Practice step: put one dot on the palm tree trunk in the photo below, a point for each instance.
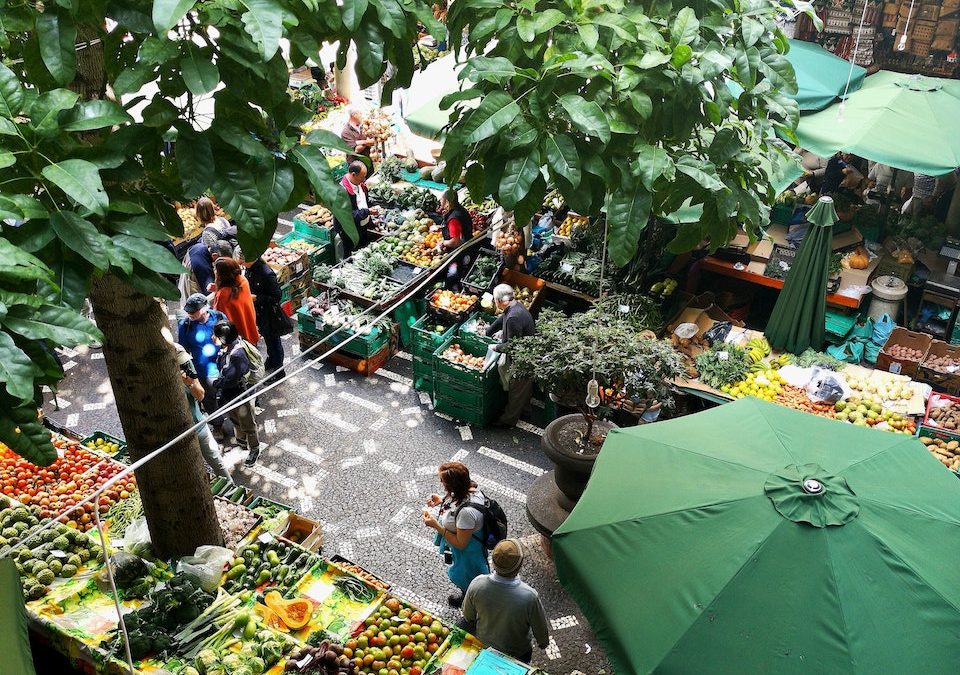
(151, 401)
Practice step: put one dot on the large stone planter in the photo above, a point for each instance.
(552, 497)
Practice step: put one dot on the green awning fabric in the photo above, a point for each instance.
(14, 634)
(428, 120)
(697, 548)
(797, 320)
(905, 121)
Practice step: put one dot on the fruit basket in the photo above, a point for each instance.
(115, 448)
(451, 306)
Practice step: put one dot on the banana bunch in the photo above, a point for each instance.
(775, 362)
(757, 349)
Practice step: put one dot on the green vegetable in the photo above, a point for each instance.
(236, 571)
(811, 358)
(249, 630)
(723, 364)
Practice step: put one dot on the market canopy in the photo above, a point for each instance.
(821, 76)
(752, 538)
(429, 120)
(905, 121)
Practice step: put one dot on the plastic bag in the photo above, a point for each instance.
(718, 332)
(882, 329)
(825, 386)
(206, 564)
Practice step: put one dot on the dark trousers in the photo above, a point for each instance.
(209, 402)
(518, 396)
(274, 352)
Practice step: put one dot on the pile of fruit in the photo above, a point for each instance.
(570, 222)
(105, 446)
(484, 208)
(191, 224)
(413, 197)
(327, 658)
(396, 639)
(765, 385)
(508, 241)
(316, 215)
(424, 54)
(280, 256)
(524, 296)
(377, 126)
(358, 571)
(948, 452)
(483, 271)
(869, 413)
(664, 289)
(479, 221)
(942, 364)
(58, 552)
(881, 387)
(757, 349)
(315, 306)
(452, 302)
(424, 252)
(301, 246)
(903, 353)
(944, 413)
(55, 488)
(455, 354)
(797, 399)
(275, 564)
(553, 200)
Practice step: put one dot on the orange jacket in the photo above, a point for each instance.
(239, 310)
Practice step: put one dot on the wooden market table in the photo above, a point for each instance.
(726, 268)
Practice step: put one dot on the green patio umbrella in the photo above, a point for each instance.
(797, 321)
(753, 538)
(905, 121)
(821, 76)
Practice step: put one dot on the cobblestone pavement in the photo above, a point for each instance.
(360, 455)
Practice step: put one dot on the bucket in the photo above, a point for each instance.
(888, 292)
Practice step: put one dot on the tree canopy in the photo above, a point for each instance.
(87, 190)
(626, 107)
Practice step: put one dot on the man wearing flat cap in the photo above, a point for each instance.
(504, 609)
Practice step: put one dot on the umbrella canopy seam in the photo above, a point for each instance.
(903, 441)
(912, 512)
(836, 591)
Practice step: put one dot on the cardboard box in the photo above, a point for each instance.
(940, 379)
(851, 277)
(906, 338)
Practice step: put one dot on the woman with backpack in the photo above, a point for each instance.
(271, 321)
(236, 373)
(459, 527)
(232, 297)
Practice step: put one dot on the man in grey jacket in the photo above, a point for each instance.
(514, 322)
(504, 609)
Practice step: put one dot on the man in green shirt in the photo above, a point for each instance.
(504, 609)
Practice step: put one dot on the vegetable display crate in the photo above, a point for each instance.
(121, 455)
(480, 417)
(361, 366)
(364, 346)
(425, 339)
(404, 272)
(423, 374)
(468, 336)
(449, 316)
(322, 233)
(296, 288)
(944, 435)
(532, 283)
(479, 286)
(465, 377)
(940, 380)
(450, 389)
(321, 255)
(293, 270)
(937, 400)
(902, 336)
(889, 266)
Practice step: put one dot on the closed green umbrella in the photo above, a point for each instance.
(905, 121)
(752, 538)
(797, 321)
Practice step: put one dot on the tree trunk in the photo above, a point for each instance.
(151, 401)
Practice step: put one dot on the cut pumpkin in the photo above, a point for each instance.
(271, 619)
(294, 613)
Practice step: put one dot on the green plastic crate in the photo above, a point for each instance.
(465, 377)
(838, 324)
(121, 455)
(423, 375)
(489, 394)
(424, 340)
(323, 234)
(322, 255)
(478, 416)
(364, 346)
(476, 339)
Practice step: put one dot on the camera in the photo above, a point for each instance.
(447, 557)
(189, 369)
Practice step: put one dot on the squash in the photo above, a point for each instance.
(271, 619)
(858, 260)
(295, 613)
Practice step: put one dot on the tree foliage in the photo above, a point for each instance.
(87, 190)
(627, 108)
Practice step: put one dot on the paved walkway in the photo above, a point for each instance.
(361, 455)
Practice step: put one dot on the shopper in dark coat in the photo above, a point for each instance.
(271, 320)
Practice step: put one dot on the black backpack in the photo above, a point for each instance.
(494, 528)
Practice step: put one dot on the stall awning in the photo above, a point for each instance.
(428, 120)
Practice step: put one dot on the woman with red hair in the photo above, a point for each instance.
(232, 297)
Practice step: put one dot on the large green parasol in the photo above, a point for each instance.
(797, 321)
(752, 538)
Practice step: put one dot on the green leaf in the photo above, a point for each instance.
(240, 138)
(370, 54)
(199, 73)
(274, 183)
(684, 28)
(654, 59)
(497, 110)
(475, 182)
(11, 299)
(160, 113)
(327, 139)
(22, 433)
(752, 31)
(526, 28)
(628, 210)
(726, 143)
(328, 191)
(681, 55)
(132, 79)
(47, 107)
(563, 158)
(713, 112)
(143, 226)
(549, 19)
(154, 51)
(7, 128)
(587, 116)
(167, 13)
(150, 283)
(16, 369)
(194, 159)
(6, 159)
(95, 114)
(486, 69)
(11, 93)
(391, 16)
(589, 34)
(529, 205)
(517, 178)
(653, 162)
(51, 322)
(81, 236)
(9, 209)
(152, 256)
(704, 173)
(641, 103)
(263, 22)
(353, 11)
(621, 25)
(80, 180)
(119, 257)
(57, 36)
(466, 95)
(237, 194)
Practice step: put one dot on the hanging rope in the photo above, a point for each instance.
(593, 387)
(902, 44)
(853, 59)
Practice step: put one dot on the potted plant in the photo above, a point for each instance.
(607, 343)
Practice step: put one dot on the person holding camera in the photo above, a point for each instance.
(195, 394)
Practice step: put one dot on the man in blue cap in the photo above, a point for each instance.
(196, 335)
